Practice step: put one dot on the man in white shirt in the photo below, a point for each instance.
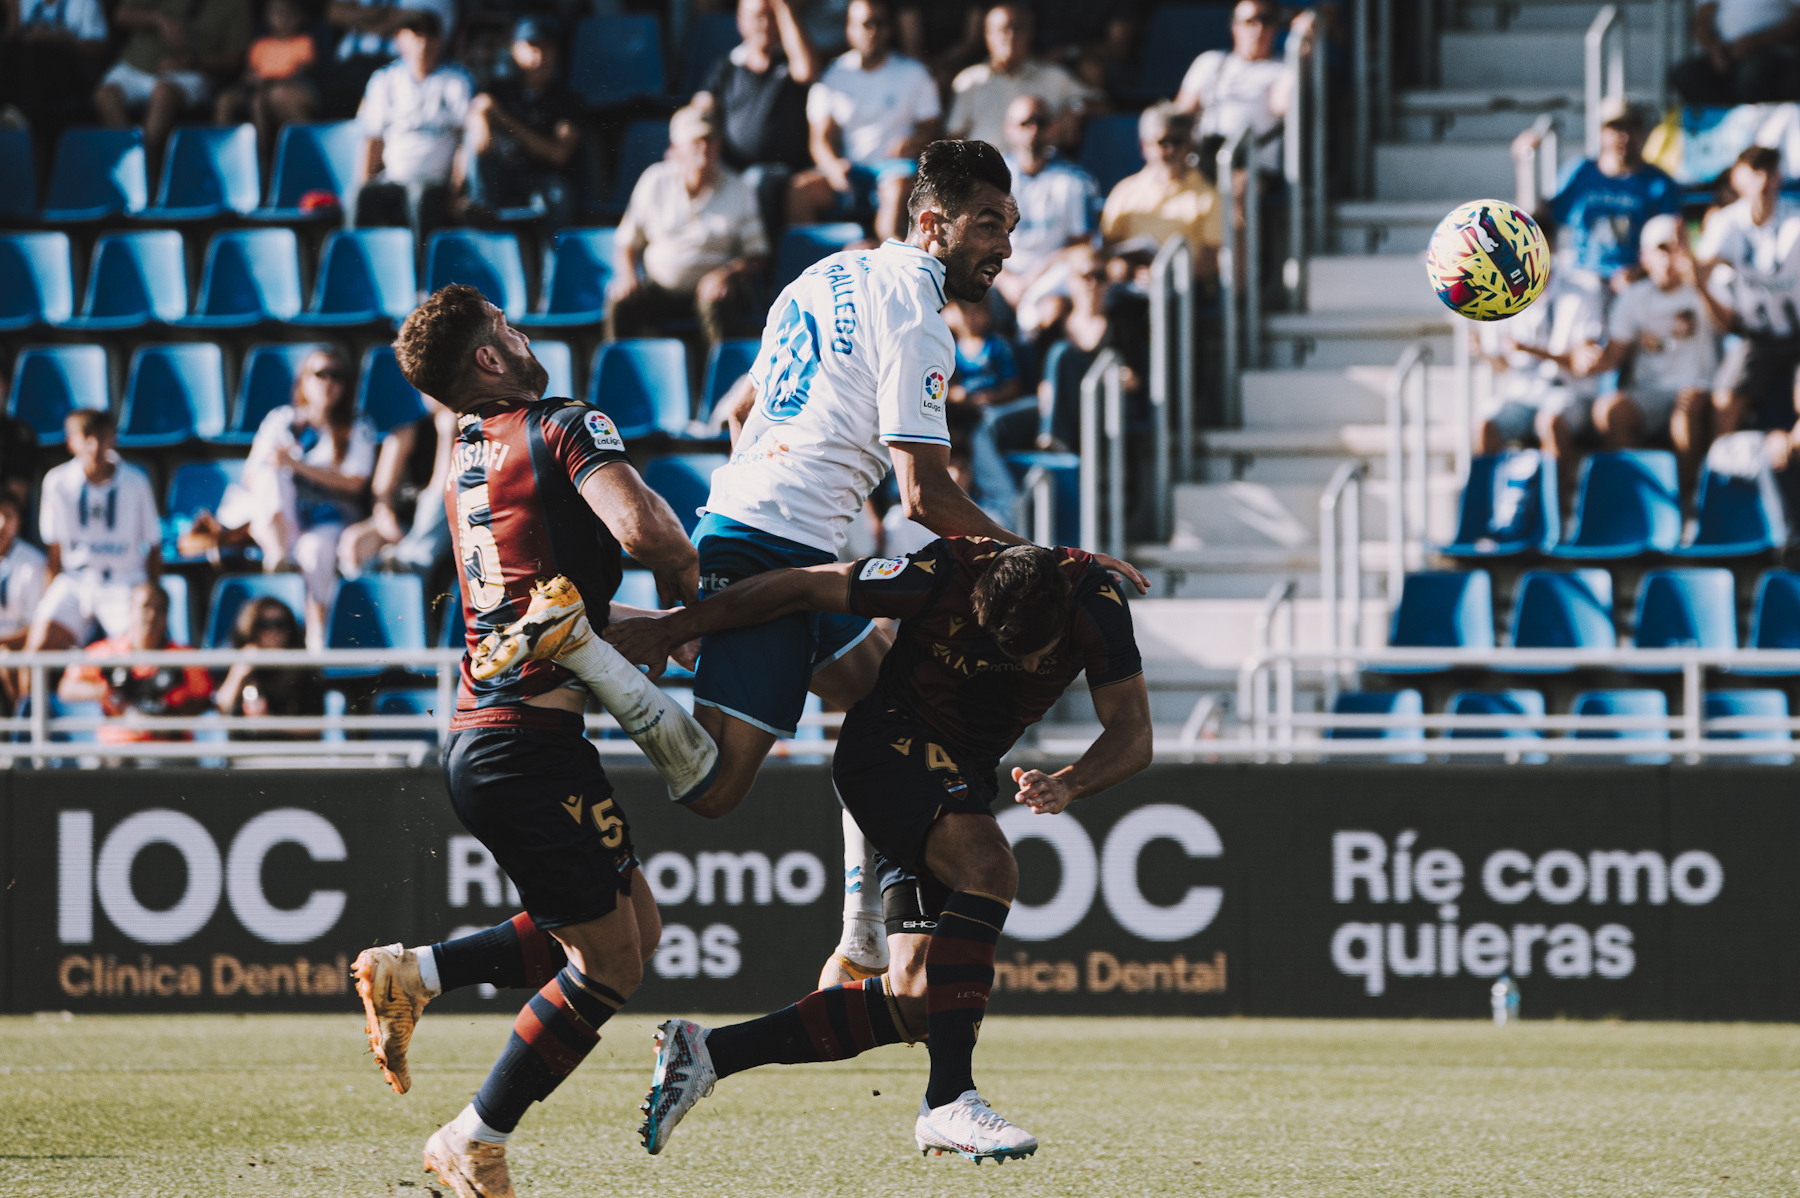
(868, 117)
(1749, 273)
(1747, 54)
(984, 90)
(694, 229)
(1660, 329)
(412, 119)
(97, 518)
(1057, 199)
(1248, 88)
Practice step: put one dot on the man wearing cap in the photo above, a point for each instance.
(523, 131)
(691, 241)
(412, 119)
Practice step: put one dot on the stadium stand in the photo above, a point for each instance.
(1625, 704)
(576, 271)
(50, 381)
(206, 174)
(1558, 610)
(1679, 608)
(1496, 703)
(252, 276)
(803, 245)
(174, 393)
(264, 384)
(1443, 609)
(1735, 517)
(616, 59)
(1626, 505)
(98, 173)
(1750, 705)
(137, 278)
(1110, 150)
(558, 361)
(18, 175)
(195, 487)
(685, 481)
(366, 276)
(488, 262)
(1509, 507)
(232, 592)
(312, 162)
(642, 385)
(383, 394)
(37, 282)
(644, 142)
(726, 363)
(376, 611)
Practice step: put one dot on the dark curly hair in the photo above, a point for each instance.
(949, 173)
(435, 344)
(1023, 599)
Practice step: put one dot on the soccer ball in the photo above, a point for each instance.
(1488, 260)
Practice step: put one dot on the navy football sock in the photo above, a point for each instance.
(826, 1025)
(959, 976)
(553, 1033)
(511, 955)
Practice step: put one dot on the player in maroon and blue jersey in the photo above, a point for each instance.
(990, 636)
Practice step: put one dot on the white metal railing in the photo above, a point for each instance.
(1604, 71)
(1535, 164)
(1408, 489)
(1036, 508)
(1340, 562)
(1240, 282)
(1171, 371)
(1303, 162)
(1103, 429)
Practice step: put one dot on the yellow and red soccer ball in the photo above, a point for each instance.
(1488, 260)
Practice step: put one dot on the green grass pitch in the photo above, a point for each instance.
(279, 1105)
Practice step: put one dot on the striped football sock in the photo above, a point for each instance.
(959, 976)
(514, 955)
(553, 1033)
(826, 1025)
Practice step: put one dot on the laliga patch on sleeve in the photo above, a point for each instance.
(601, 429)
(877, 568)
(937, 386)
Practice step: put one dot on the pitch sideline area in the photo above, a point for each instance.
(288, 1105)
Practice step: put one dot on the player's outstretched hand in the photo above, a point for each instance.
(642, 642)
(1125, 570)
(1045, 794)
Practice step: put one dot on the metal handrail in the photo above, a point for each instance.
(1340, 517)
(1171, 336)
(1036, 508)
(1241, 302)
(1534, 172)
(1095, 424)
(1253, 687)
(1293, 159)
(1414, 358)
(1604, 46)
(1363, 88)
(1321, 127)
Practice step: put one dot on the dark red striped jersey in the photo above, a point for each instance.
(950, 675)
(516, 511)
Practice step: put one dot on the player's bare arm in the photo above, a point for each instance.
(756, 600)
(1121, 750)
(647, 528)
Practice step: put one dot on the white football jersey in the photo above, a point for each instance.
(104, 529)
(22, 573)
(855, 355)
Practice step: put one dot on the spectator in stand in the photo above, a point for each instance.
(1098, 314)
(253, 690)
(1245, 88)
(412, 119)
(411, 470)
(367, 44)
(142, 689)
(1661, 331)
(176, 53)
(306, 474)
(277, 86)
(985, 386)
(1747, 54)
(1056, 202)
(97, 519)
(868, 116)
(1169, 196)
(693, 228)
(759, 92)
(51, 55)
(524, 131)
(985, 90)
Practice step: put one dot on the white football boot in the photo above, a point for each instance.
(684, 1075)
(393, 997)
(471, 1168)
(971, 1128)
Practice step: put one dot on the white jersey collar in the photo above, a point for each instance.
(914, 256)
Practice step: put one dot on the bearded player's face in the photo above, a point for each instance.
(976, 242)
(521, 364)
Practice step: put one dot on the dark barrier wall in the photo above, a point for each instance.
(1636, 891)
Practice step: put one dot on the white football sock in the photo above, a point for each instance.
(469, 1126)
(428, 973)
(864, 938)
(672, 740)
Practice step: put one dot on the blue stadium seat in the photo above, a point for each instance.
(1736, 517)
(18, 175)
(558, 361)
(37, 282)
(709, 39)
(685, 480)
(1641, 703)
(1397, 703)
(50, 381)
(803, 245)
(173, 394)
(382, 392)
(98, 173)
(233, 591)
(1562, 611)
(251, 276)
(617, 58)
(1685, 608)
(1442, 609)
(1508, 507)
(578, 269)
(376, 611)
(1176, 35)
(726, 363)
(1508, 702)
(311, 158)
(175, 586)
(407, 701)
(1110, 150)
(1763, 704)
(643, 385)
(1774, 620)
(365, 276)
(1064, 470)
(488, 262)
(644, 144)
(265, 383)
(135, 279)
(1626, 504)
(197, 487)
(207, 172)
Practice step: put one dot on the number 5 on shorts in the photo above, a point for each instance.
(610, 826)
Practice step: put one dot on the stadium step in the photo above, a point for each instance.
(1388, 226)
(1296, 399)
(1513, 15)
(1371, 337)
(1350, 282)
(1536, 57)
(1452, 171)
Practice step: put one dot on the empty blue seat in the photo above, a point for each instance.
(1508, 702)
(18, 175)
(98, 173)
(685, 480)
(1392, 703)
(311, 158)
(1774, 619)
(173, 393)
(1064, 471)
(642, 385)
(644, 144)
(1633, 703)
(251, 276)
(488, 262)
(1626, 505)
(1685, 608)
(1110, 150)
(1736, 516)
(37, 282)
(1175, 35)
(382, 392)
(265, 383)
(197, 487)
(803, 245)
(1752, 704)
(726, 363)
(180, 624)
(229, 594)
(580, 266)
(558, 361)
(207, 172)
(617, 58)
(709, 39)
(376, 611)
(50, 381)
(1442, 609)
(135, 279)
(1508, 507)
(1562, 611)
(365, 275)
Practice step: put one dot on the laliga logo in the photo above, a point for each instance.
(1114, 872)
(80, 876)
